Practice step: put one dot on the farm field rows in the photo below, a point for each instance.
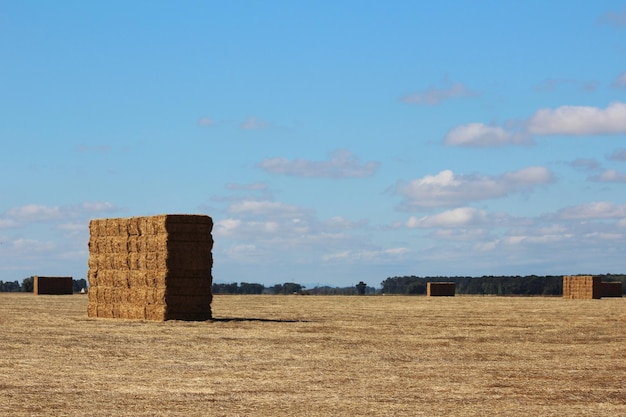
(318, 356)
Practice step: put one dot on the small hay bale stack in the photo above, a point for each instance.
(440, 289)
(154, 268)
(589, 287)
(612, 289)
(53, 285)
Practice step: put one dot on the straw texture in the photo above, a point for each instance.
(154, 268)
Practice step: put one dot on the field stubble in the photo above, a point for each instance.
(318, 356)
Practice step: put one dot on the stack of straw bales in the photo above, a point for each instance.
(154, 268)
(440, 289)
(589, 287)
(53, 285)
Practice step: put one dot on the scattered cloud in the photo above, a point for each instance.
(35, 212)
(434, 96)
(585, 164)
(553, 84)
(617, 19)
(458, 217)
(448, 189)
(341, 164)
(206, 122)
(618, 155)
(255, 186)
(265, 208)
(579, 120)
(32, 213)
(620, 81)
(610, 175)
(481, 135)
(253, 123)
(8, 223)
(94, 148)
(369, 256)
(593, 210)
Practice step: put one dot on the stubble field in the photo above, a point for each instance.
(318, 356)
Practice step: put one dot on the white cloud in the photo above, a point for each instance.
(265, 208)
(620, 81)
(618, 155)
(253, 123)
(593, 210)
(448, 189)
(552, 84)
(481, 135)
(35, 212)
(341, 164)
(617, 19)
(584, 164)
(8, 223)
(434, 96)
(206, 122)
(610, 175)
(579, 120)
(97, 206)
(375, 256)
(458, 217)
(255, 186)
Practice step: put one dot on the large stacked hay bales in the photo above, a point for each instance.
(53, 285)
(154, 268)
(440, 289)
(589, 287)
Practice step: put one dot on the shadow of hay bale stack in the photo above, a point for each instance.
(153, 268)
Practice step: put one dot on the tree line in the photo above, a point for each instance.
(290, 288)
(27, 285)
(546, 285)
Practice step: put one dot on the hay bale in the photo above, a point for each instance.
(589, 287)
(53, 285)
(612, 289)
(153, 268)
(440, 289)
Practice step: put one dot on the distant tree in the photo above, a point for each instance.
(416, 288)
(361, 287)
(79, 284)
(291, 288)
(9, 286)
(28, 284)
(247, 288)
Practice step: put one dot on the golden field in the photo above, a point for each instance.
(318, 356)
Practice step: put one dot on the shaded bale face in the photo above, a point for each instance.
(154, 268)
(53, 285)
(440, 289)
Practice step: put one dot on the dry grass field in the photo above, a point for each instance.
(318, 356)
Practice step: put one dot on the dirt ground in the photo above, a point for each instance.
(318, 356)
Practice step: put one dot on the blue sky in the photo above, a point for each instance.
(331, 142)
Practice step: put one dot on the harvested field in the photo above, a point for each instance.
(318, 356)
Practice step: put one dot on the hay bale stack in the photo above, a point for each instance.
(53, 285)
(154, 268)
(440, 289)
(612, 289)
(589, 287)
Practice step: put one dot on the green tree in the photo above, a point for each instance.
(28, 284)
(361, 287)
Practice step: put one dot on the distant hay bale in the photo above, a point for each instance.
(440, 289)
(154, 268)
(589, 287)
(53, 285)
